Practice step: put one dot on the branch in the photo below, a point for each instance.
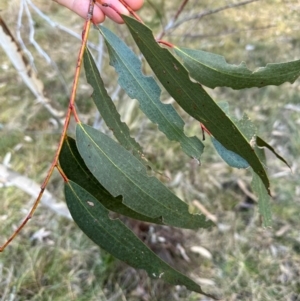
(71, 109)
(31, 36)
(11, 178)
(224, 33)
(210, 12)
(14, 51)
(173, 20)
(59, 26)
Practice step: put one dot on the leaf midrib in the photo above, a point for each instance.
(135, 146)
(91, 215)
(134, 183)
(246, 77)
(179, 132)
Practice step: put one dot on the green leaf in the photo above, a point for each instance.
(249, 130)
(263, 200)
(212, 71)
(76, 170)
(231, 158)
(106, 106)
(224, 105)
(261, 143)
(192, 97)
(147, 92)
(122, 174)
(246, 126)
(114, 237)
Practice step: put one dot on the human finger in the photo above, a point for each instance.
(113, 10)
(80, 7)
(135, 4)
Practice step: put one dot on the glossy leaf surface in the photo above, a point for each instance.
(147, 92)
(76, 171)
(114, 237)
(124, 175)
(212, 71)
(192, 97)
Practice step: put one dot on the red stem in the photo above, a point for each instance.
(165, 43)
(71, 109)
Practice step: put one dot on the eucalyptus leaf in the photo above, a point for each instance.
(212, 71)
(263, 200)
(192, 97)
(247, 127)
(231, 158)
(147, 92)
(114, 237)
(76, 171)
(262, 143)
(106, 107)
(122, 174)
(249, 130)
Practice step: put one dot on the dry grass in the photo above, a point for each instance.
(248, 262)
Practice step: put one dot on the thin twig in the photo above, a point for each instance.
(168, 44)
(39, 49)
(173, 20)
(71, 109)
(19, 36)
(204, 211)
(12, 178)
(209, 12)
(225, 33)
(59, 26)
(14, 51)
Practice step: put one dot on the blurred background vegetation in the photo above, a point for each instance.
(52, 260)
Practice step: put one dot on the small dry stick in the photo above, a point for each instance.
(209, 215)
(71, 109)
(173, 20)
(212, 11)
(173, 24)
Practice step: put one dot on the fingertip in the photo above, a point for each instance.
(98, 15)
(115, 11)
(81, 8)
(115, 16)
(135, 4)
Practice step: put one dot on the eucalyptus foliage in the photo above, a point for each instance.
(107, 175)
